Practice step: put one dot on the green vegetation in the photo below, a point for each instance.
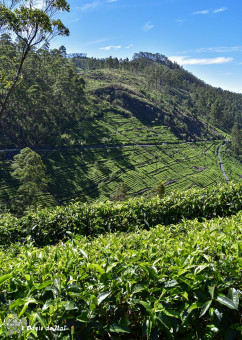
(89, 174)
(172, 282)
(45, 102)
(138, 268)
(231, 162)
(159, 189)
(49, 226)
(164, 82)
(236, 139)
(120, 192)
(32, 25)
(98, 123)
(29, 170)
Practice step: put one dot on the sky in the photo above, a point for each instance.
(204, 36)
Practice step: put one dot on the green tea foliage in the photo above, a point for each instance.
(49, 226)
(171, 282)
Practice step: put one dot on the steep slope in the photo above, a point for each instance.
(122, 91)
(220, 108)
(126, 128)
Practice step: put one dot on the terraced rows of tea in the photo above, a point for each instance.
(93, 173)
(89, 174)
(115, 127)
(232, 166)
(126, 150)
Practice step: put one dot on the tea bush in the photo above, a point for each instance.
(49, 226)
(171, 282)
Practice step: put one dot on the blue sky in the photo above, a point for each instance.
(205, 36)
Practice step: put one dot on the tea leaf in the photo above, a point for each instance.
(226, 301)
(205, 308)
(118, 328)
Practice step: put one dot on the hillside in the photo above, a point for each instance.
(120, 179)
(97, 123)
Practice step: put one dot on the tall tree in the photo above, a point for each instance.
(159, 189)
(33, 26)
(236, 139)
(216, 113)
(29, 169)
(120, 192)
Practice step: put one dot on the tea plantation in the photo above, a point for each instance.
(87, 249)
(135, 135)
(142, 269)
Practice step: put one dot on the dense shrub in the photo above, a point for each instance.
(171, 282)
(49, 226)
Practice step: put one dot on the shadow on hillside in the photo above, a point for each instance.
(72, 172)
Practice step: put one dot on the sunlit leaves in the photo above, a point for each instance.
(5, 278)
(227, 302)
(152, 282)
(52, 225)
(205, 308)
(33, 23)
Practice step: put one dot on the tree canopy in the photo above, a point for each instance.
(33, 23)
(29, 170)
(47, 103)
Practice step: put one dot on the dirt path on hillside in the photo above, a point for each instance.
(221, 162)
(99, 146)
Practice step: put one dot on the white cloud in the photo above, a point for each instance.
(91, 5)
(129, 46)
(108, 48)
(222, 49)
(206, 11)
(94, 42)
(74, 20)
(39, 4)
(218, 49)
(222, 9)
(183, 60)
(148, 26)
